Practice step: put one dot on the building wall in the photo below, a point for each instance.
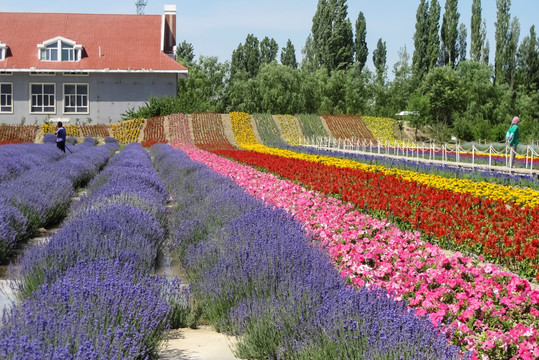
(110, 94)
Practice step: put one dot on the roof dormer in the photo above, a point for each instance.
(59, 49)
(3, 51)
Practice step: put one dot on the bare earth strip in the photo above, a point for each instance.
(227, 128)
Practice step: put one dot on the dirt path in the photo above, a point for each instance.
(197, 344)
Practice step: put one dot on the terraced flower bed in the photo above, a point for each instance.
(154, 132)
(17, 134)
(209, 132)
(349, 127)
(267, 129)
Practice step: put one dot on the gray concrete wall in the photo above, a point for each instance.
(110, 94)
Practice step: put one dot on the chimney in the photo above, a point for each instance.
(169, 31)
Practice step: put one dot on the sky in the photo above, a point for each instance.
(216, 28)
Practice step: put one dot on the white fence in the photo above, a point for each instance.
(489, 158)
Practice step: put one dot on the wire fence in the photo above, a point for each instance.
(493, 157)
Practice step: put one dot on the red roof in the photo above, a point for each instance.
(125, 42)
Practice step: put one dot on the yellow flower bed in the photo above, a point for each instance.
(290, 129)
(71, 130)
(242, 128)
(127, 132)
(520, 197)
(383, 129)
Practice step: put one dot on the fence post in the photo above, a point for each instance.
(490, 157)
(473, 156)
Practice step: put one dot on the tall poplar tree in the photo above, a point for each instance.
(379, 58)
(268, 50)
(461, 44)
(449, 32)
(528, 61)
(433, 47)
(477, 32)
(288, 55)
(421, 39)
(362, 51)
(511, 53)
(332, 35)
(503, 18)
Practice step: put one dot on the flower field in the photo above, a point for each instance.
(348, 127)
(127, 132)
(300, 253)
(17, 134)
(311, 125)
(154, 132)
(96, 130)
(267, 129)
(209, 132)
(383, 129)
(290, 128)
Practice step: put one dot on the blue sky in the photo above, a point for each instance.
(215, 28)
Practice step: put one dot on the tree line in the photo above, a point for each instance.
(455, 92)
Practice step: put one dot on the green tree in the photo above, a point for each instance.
(433, 47)
(251, 50)
(379, 58)
(321, 32)
(362, 51)
(478, 32)
(268, 50)
(332, 35)
(204, 89)
(309, 62)
(528, 61)
(444, 94)
(449, 33)
(185, 53)
(401, 86)
(503, 18)
(238, 61)
(341, 41)
(420, 64)
(288, 55)
(461, 44)
(511, 53)
(280, 89)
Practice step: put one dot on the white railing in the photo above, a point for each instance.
(489, 158)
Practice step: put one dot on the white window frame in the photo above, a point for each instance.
(59, 40)
(5, 94)
(76, 107)
(6, 73)
(3, 51)
(42, 106)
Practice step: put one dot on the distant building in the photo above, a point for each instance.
(80, 66)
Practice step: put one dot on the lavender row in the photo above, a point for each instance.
(89, 293)
(16, 159)
(42, 195)
(257, 275)
(426, 168)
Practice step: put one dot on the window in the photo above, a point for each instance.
(42, 73)
(76, 98)
(42, 98)
(76, 73)
(59, 49)
(6, 98)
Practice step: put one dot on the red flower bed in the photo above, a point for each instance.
(17, 134)
(98, 130)
(349, 127)
(154, 132)
(486, 227)
(179, 129)
(209, 132)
